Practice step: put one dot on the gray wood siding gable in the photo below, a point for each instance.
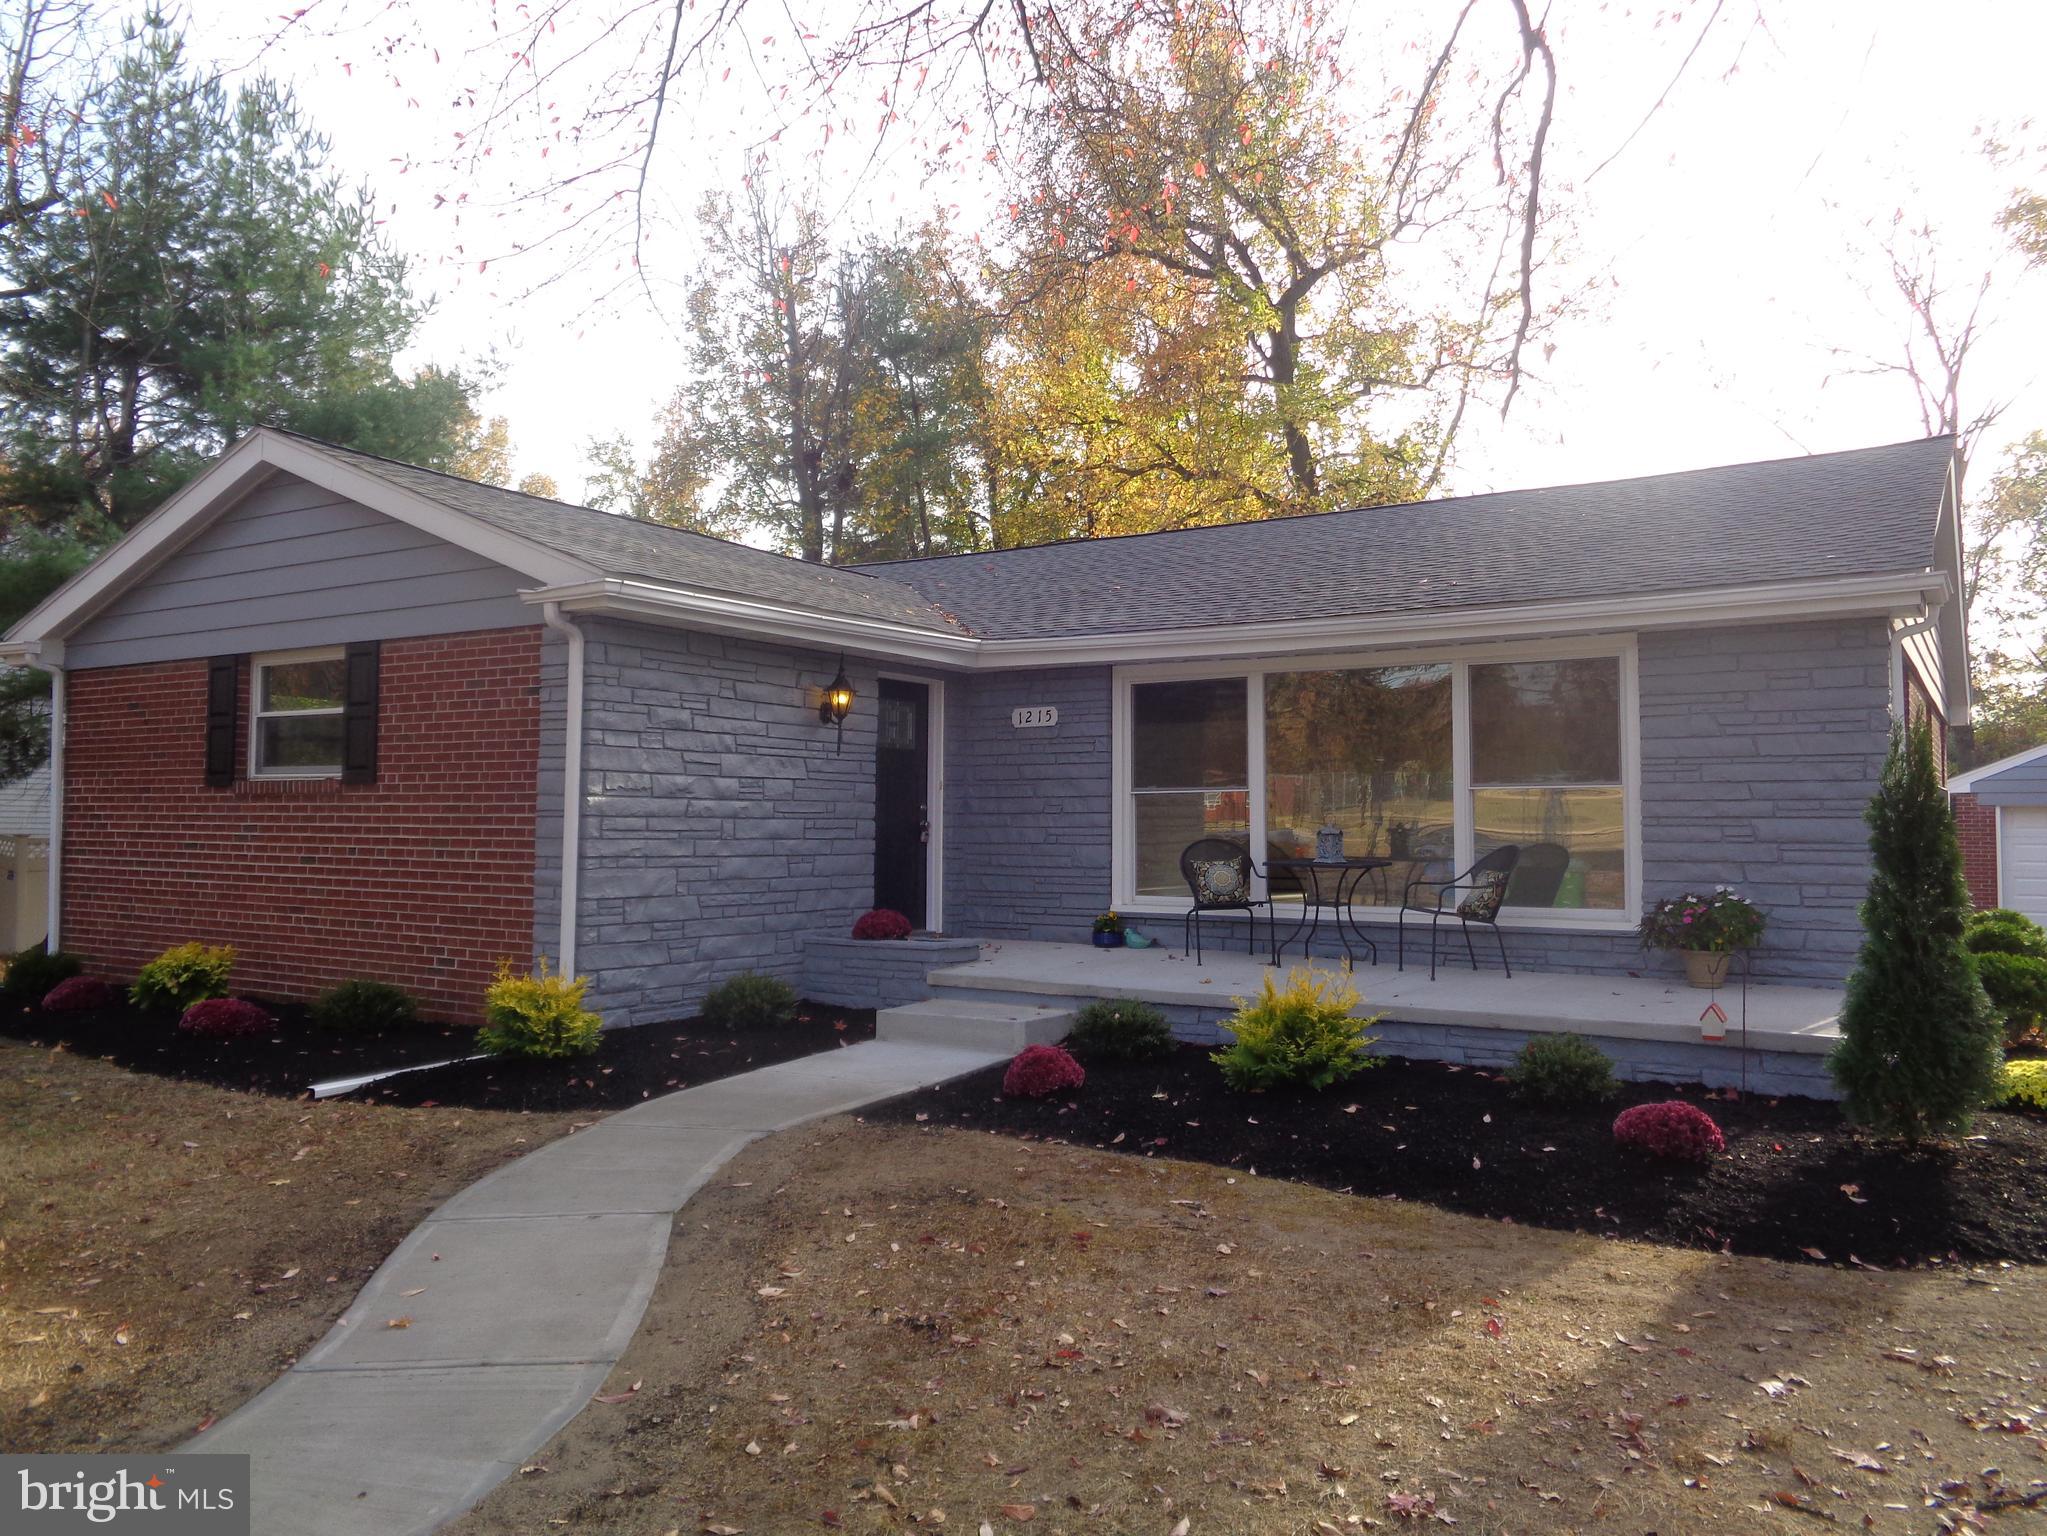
(294, 565)
(2020, 784)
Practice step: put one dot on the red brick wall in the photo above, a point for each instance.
(1918, 708)
(424, 878)
(1976, 826)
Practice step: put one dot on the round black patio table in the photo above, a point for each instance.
(1349, 872)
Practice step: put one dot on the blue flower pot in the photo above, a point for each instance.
(1108, 941)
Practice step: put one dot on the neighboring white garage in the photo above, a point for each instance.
(2001, 809)
(2022, 859)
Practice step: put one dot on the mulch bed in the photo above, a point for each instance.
(631, 1064)
(1795, 1182)
(286, 1062)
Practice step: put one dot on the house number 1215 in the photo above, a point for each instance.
(1034, 714)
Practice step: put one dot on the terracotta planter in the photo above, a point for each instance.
(1707, 967)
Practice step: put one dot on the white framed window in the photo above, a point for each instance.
(295, 706)
(1427, 758)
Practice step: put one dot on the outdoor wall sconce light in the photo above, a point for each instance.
(836, 703)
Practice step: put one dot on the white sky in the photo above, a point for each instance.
(1729, 236)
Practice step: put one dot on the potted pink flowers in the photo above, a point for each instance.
(1705, 929)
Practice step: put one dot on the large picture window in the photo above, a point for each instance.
(1427, 763)
(1368, 751)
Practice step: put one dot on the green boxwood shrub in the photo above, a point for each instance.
(32, 973)
(539, 1016)
(2017, 985)
(2000, 932)
(751, 1001)
(365, 1008)
(1121, 1029)
(1302, 1035)
(2007, 915)
(1563, 1070)
(183, 975)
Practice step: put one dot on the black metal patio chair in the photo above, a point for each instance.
(1219, 875)
(1485, 889)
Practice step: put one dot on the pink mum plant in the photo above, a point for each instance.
(225, 1018)
(1672, 1129)
(1041, 1070)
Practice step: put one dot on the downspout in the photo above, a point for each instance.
(572, 785)
(54, 877)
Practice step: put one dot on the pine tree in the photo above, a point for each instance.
(1919, 1051)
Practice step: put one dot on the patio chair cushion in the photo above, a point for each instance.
(1219, 882)
(1489, 888)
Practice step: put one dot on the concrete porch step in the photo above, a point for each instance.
(1004, 1027)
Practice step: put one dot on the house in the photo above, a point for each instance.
(2001, 815)
(326, 707)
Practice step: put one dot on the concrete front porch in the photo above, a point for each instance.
(1776, 1040)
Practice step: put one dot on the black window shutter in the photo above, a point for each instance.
(359, 716)
(223, 687)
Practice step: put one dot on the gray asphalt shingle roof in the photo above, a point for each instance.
(624, 546)
(1866, 512)
(1870, 511)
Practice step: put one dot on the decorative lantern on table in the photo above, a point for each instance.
(1329, 844)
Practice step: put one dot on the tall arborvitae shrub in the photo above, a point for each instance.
(1919, 1040)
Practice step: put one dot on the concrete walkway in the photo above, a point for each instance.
(522, 1292)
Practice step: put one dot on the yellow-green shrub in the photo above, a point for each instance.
(2025, 1083)
(539, 1015)
(183, 975)
(1301, 1035)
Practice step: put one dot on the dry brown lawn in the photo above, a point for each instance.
(877, 1329)
(166, 1248)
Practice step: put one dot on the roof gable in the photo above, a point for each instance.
(244, 467)
(2023, 773)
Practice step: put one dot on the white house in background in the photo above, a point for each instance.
(2001, 814)
(25, 860)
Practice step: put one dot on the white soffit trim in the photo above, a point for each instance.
(724, 613)
(189, 513)
(1908, 593)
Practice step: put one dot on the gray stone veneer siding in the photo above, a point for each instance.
(724, 825)
(1652, 1061)
(1027, 811)
(877, 973)
(1760, 747)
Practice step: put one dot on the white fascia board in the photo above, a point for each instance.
(186, 515)
(1908, 594)
(723, 613)
(1953, 616)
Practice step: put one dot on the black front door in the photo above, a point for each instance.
(902, 811)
